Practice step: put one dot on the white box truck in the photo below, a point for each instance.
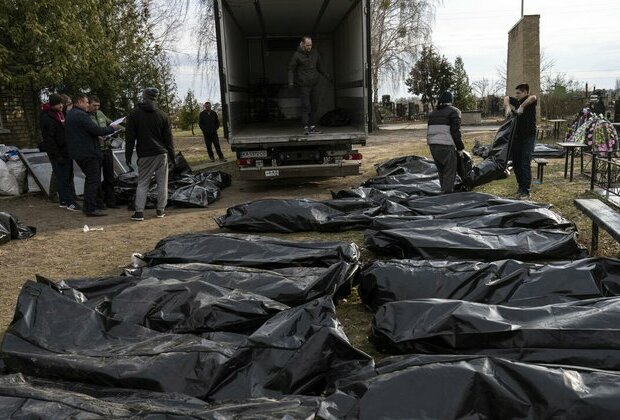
(262, 115)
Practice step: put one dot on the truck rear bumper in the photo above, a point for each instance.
(300, 171)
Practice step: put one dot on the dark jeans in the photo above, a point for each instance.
(522, 149)
(63, 174)
(92, 171)
(213, 139)
(446, 161)
(107, 185)
(309, 95)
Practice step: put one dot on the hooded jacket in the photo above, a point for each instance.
(149, 129)
(53, 134)
(444, 127)
(82, 135)
(304, 68)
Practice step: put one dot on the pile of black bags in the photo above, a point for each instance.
(11, 228)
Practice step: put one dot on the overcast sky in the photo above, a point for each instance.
(581, 37)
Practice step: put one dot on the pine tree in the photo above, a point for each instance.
(463, 96)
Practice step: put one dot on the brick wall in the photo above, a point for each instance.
(19, 114)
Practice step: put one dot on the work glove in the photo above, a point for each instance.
(520, 110)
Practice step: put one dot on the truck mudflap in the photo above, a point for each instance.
(300, 171)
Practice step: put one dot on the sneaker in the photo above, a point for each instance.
(96, 213)
(160, 213)
(73, 207)
(306, 130)
(62, 205)
(313, 130)
(212, 159)
(223, 159)
(523, 196)
(138, 216)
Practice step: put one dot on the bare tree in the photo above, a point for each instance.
(485, 87)
(398, 29)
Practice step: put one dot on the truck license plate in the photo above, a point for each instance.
(253, 154)
(273, 172)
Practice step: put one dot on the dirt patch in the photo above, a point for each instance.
(62, 250)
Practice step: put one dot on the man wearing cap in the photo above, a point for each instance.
(82, 136)
(149, 129)
(53, 143)
(444, 140)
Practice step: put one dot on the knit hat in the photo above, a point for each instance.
(55, 99)
(150, 94)
(445, 98)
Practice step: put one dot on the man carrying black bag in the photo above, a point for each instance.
(444, 140)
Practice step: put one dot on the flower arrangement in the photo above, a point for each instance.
(599, 134)
(584, 116)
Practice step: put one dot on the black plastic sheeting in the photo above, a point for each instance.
(485, 244)
(541, 150)
(184, 188)
(495, 165)
(296, 351)
(250, 251)
(292, 286)
(458, 387)
(11, 228)
(583, 333)
(30, 397)
(364, 209)
(407, 164)
(507, 282)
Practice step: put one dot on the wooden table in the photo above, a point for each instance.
(571, 146)
(557, 123)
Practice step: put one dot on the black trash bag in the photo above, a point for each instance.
(547, 150)
(495, 166)
(371, 194)
(292, 286)
(406, 183)
(298, 351)
(407, 165)
(476, 218)
(295, 351)
(30, 397)
(189, 306)
(250, 251)
(465, 201)
(12, 228)
(199, 194)
(181, 167)
(338, 117)
(55, 337)
(219, 178)
(486, 244)
(581, 333)
(506, 282)
(481, 150)
(455, 387)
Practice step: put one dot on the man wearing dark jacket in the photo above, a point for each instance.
(444, 140)
(524, 105)
(209, 123)
(82, 136)
(150, 130)
(303, 71)
(53, 143)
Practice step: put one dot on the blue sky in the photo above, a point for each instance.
(581, 37)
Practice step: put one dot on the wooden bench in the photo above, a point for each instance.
(540, 169)
(602, 216)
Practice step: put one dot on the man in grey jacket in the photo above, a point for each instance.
(303, 71)
(444, 140)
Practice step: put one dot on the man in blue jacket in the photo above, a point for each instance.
(82, 138)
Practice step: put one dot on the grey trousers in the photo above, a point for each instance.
(147, 166)
(446, 160)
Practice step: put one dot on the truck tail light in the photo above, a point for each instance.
(245, 162)
(353, 156)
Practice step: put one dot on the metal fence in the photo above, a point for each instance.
(605, 174)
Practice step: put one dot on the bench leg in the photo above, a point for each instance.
(542, 173)
(594, 246)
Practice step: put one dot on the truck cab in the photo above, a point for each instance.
(262, 115)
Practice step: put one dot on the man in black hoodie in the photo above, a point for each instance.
(150, 130)
(82, 136)
(53, 134)
(444, 140)
(303, 71)
(209, 123)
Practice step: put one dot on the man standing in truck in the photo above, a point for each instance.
(303, 71)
